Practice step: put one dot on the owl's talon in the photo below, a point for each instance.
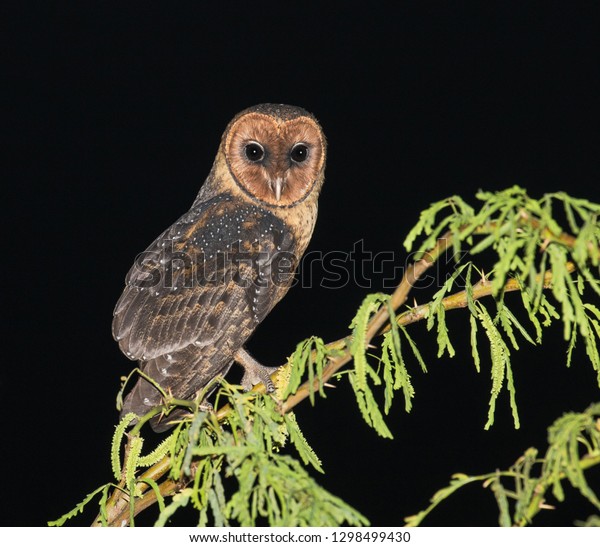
(259, 376)
(255, 373)
(205, 406)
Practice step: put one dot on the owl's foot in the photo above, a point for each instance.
(205, 407)
(255, 373)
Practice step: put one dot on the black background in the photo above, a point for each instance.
(113, 114)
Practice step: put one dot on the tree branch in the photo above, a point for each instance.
(537, 500)
(118, 506)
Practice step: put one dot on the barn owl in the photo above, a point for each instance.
(199, 291)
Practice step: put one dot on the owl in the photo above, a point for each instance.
(195, 296)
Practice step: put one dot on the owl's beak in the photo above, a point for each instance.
(277, 187)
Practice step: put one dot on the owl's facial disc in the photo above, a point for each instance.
(275, 161)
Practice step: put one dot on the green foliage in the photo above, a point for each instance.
(395, 373)
(306, 453)
(309, 359)
(501, 367)
(460, 214)
(81, 506)
(563, 460)
(573, 447)
(515, 226)
(391, 372)
(115, 457)
(230, 465)
(437, 314)
(529, 244)
(234, 474)
(363, 372)
(592, 520)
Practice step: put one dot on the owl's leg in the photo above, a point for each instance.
(255, 373)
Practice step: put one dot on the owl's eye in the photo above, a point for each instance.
(299, 152)
(254, 151)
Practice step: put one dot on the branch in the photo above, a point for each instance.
(119, 508)
(398, 298)
(537, 501)
(459, 300)
(565, 436)
(119, 512)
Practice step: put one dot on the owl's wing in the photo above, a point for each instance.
(212, 269)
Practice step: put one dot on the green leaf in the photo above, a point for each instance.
(180, 499)
(115, 457)
(79, 507)
(369, 407)
(299, 441)
(414, 348)
(395, 374)
(458, 481)
(159, 497)
(443, 337)
(358, 346)
(193, 437)
(135, 448)
(507, 320)
(310, 355)
(502, 501)
(474, 345)
(158, 453)
(501, 368)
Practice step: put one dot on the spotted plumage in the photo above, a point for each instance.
(198, 292)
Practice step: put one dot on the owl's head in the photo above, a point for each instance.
(275, 153)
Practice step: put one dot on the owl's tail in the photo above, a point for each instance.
(176, 375)
(145, 396)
